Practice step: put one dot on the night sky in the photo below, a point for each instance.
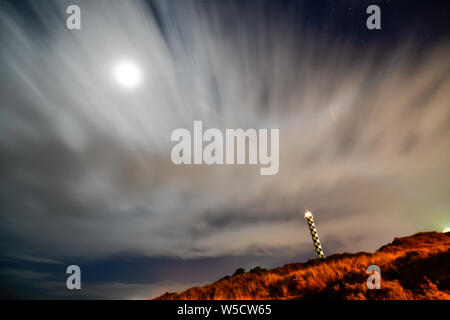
(86, 175)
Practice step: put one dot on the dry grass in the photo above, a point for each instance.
(415, 267)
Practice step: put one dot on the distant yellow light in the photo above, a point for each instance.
(446, 230)
(308, 214)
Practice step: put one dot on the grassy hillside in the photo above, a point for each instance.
(414, 267)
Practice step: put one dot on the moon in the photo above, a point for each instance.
(127, 74)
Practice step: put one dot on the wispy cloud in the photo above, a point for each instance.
(30, 258)
(86, 168)
(45, 285)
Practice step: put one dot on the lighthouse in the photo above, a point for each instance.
(314, 235)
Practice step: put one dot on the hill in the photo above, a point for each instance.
(414, 267)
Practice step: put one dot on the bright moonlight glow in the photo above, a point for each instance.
(127, 74)
(446, 230)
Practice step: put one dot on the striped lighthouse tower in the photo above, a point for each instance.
(315, 236)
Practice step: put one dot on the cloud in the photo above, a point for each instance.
(45, 285)
(30, 258)
(117, 290)
(23, 274)
(86, 168)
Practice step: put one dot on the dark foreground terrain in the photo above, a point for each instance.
(414, 267)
